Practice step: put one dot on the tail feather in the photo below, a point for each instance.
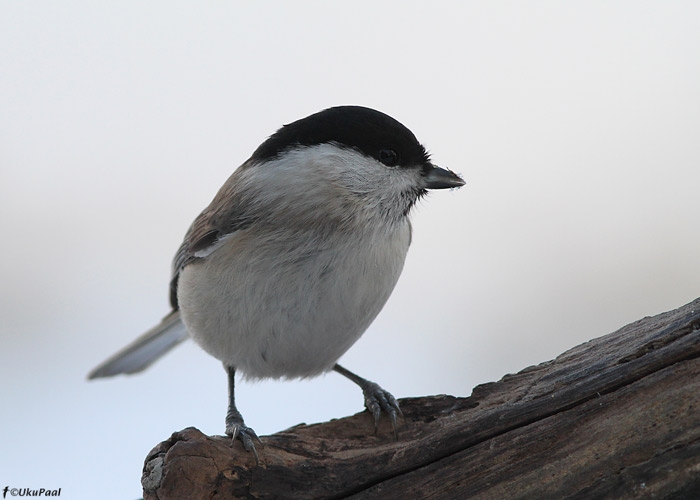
(146, 349)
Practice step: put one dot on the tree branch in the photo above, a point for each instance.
(617, 417)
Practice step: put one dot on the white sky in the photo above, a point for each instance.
(575, 124)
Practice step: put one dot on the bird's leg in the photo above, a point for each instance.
(376, 398)
(235, 427)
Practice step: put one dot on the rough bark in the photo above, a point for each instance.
(617, 417)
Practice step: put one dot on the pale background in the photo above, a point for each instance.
(575, 125)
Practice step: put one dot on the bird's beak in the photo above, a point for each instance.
(440, 178)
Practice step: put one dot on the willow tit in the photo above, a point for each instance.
(296, 255)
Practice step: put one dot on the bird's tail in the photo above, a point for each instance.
(143, 351)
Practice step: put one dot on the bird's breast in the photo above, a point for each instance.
(289, 304)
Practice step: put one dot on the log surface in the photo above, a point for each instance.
(617, 417)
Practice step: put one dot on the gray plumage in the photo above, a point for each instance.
(296, 254)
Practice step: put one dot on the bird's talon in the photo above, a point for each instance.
(377, 400)
(245, 435)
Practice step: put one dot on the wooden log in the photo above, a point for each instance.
(617, 417)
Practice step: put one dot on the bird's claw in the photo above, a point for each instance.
(378, 400)
(247, 436)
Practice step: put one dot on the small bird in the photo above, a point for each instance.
(296, 255)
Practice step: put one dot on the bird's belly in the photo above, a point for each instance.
(292, 316)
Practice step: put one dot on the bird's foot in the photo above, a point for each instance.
(378, 400)
(247, 436)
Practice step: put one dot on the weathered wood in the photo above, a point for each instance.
(617, 417)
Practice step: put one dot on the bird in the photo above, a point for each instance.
(296, 255)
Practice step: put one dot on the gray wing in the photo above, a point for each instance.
(223, 216)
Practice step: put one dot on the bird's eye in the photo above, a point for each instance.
(388, 157)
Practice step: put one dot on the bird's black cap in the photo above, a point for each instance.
(366, 130)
